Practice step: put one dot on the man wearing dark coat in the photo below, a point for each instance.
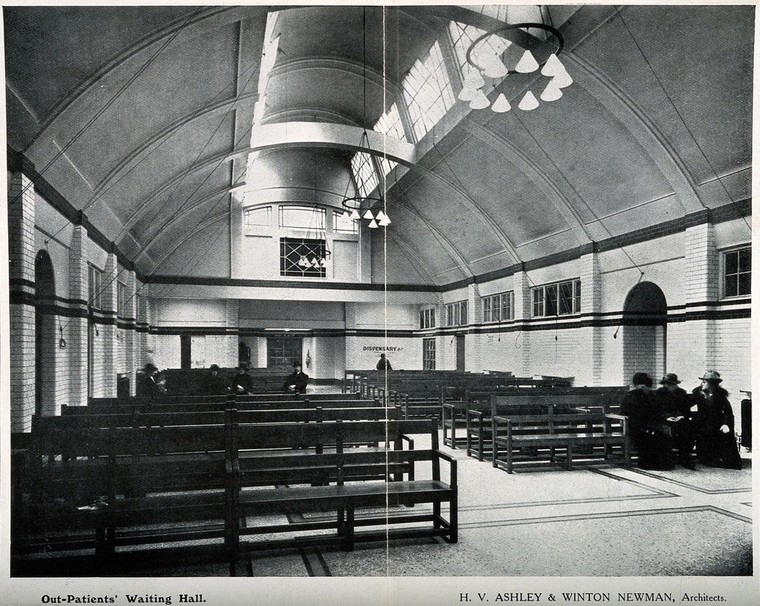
(647, 426)
(674, 404)
(147, 385)
(241, 382)
(296, 381)
(714, 424)
(213, 384)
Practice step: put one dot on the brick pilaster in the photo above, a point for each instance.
(523, 304)
(108, 331)
(232, 321)
(78, 326)
(129, 313)
(591, 307)
(701, 286)
(21, 256)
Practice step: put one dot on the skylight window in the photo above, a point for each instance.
(364, 173)
(390, 125)
(427, 91)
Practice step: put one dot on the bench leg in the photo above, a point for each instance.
(509, 458)
(569, 457)
(453, 520)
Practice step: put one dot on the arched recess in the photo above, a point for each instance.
(645, 316)
(45, 337)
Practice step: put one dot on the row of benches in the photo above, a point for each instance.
(522, 426)
(182, 483)
(422, 393)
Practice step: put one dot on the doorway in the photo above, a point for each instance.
(645, 318)
(45, 337)
(460, 353)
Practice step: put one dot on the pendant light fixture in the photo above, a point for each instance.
(484, 63)
(361, 207)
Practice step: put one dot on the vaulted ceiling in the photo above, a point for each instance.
(142, 117)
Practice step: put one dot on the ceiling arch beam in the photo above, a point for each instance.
(470, 202)
(185, 28)
(532, 170)
(126, 164)
(355, 68)
(642, 128)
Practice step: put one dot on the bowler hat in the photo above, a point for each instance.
(711, 375)
(642, 378)
(671, 378)
(214, 367)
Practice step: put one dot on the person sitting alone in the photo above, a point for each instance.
(296, 381)
(674, 405)
(213, 384)
(241, 382)
(147, 384)
(647, 425)
(383, 363)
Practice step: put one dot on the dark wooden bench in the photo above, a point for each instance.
(202, 482)
(479, 414)
(526, 439)
(141, 405)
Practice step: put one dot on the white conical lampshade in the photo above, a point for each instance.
(373, 224)
(528, 102)
(501, 104)
(552, 67)
(527, 63)
(562, 80)
(315, 263)
(368, 215)
(385, 221)
(302, 262)
(480, 102)
(552, 92)
(494, 68)
(473, 79)
(467, 94)
(379, 216)
(346, 216)
(323, 262)
(355, 216)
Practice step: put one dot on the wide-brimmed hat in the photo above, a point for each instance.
(642, 378)
(214, 367)
(711, 375)
(149, 367)
(670, 379)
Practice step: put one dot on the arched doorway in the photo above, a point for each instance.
(645, 317)
(45, 337)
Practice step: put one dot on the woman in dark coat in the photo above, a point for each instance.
(714, 424)
(648, 429)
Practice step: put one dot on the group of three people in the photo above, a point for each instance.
(669, 418)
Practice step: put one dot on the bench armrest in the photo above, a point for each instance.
(452, 466)
(617, 417)
(406, 438)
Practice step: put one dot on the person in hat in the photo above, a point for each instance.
(147, 384)
(674, 405)
(296, 381)
(648, 430)
(213, 384)
(241, 382)
(714, 423)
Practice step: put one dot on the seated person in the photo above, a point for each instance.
(674, 406)
(213, 384)
(147, 384)
(241, 382)
(647, 425)
(296, 381)
(714, 424)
